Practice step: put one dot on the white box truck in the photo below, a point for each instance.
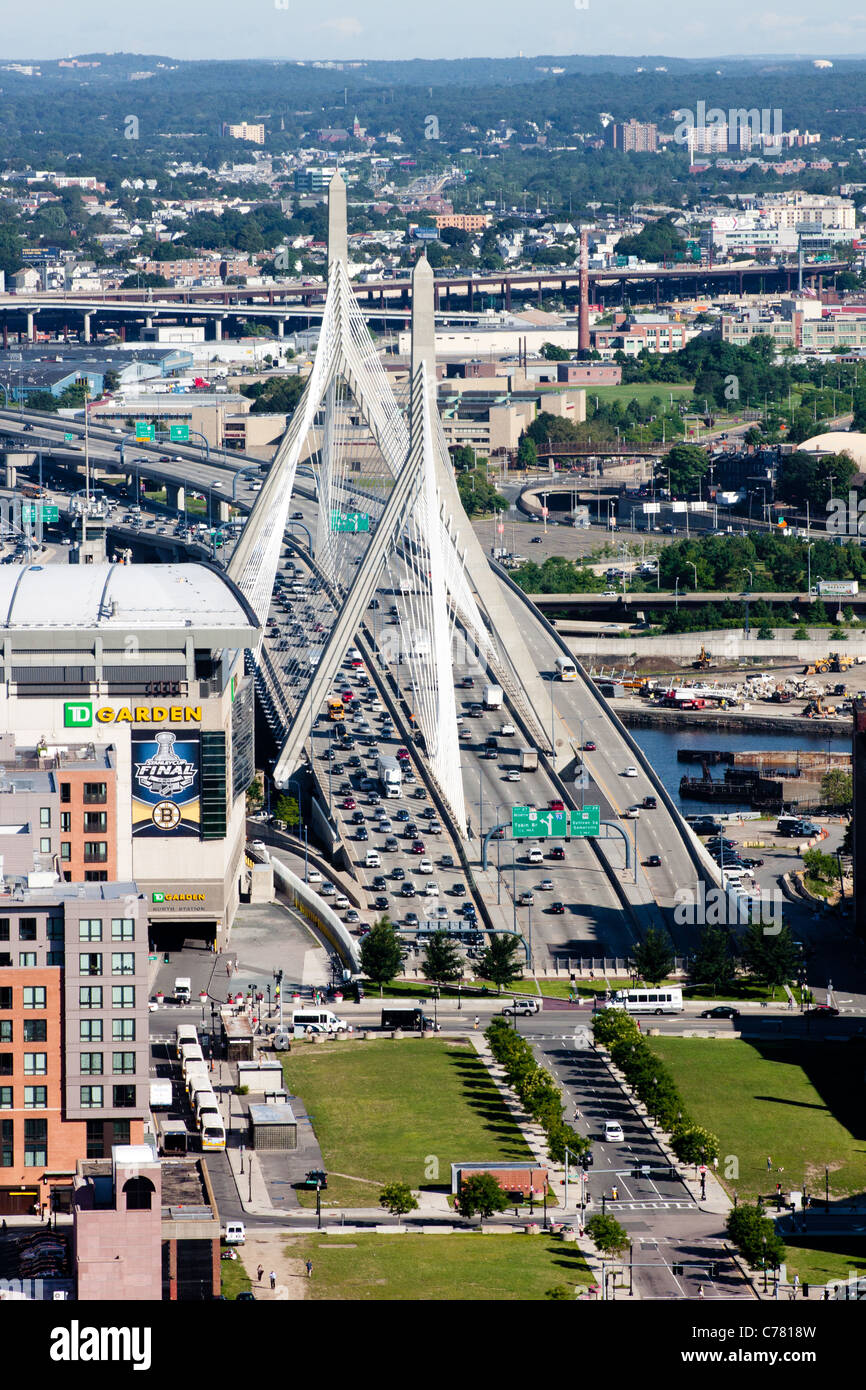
(390, 775)
(836, 588)
(183, 989)
(493, 697)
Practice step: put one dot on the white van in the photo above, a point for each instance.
(190, 1052)
(236, 1233)
(185, 1035)
(317, 1021)
(213, 1133)
(196, 1076)
(206, 1106)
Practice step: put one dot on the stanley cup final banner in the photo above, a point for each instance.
(165, 784)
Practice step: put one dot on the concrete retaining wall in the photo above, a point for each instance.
(311, 906)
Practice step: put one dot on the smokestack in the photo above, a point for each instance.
(583, 319)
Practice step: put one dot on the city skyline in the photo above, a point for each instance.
(337, 30)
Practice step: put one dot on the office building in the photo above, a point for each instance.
(254, 133)
(640, 137)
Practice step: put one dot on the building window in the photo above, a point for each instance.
(123, 996)
(6, 998)
(122, 963)
(90, 929)
(95, 851)
(95, 1139)
(32, 997)
(124, 1097)
(94, 821)
(35, 1063)
(5, 1097)
(45, 844)
(95, 876)
(6, 1032)
(90, 1029)
(90, 963)
(65, 850)
(66, 821)
(91, 1097)
(35, 1097)
(6, 1133)
(35, 1030)
(123, 1029)
(90, 997)
(95, 793)
(123, 928)
(45, 817)
(26, 928)
(4, 928)
(5, 960)
(120, 1131)
(6, 1061)
(139, 1193)
(123, 1062)
(56, 929)
(35, 1143)
(65, 792)
(56, 958)
(27, 960)
(91, 1064)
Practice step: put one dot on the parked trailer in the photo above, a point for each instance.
(173, 1137)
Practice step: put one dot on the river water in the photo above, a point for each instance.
(660, 746)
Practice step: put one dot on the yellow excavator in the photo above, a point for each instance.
(703, 661)
(832, 662)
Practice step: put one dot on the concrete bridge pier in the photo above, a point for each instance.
(31, 325)
(175, 496)
(87, 317)
(218, 329)
(281, 328)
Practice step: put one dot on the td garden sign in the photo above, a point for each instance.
(80, 714)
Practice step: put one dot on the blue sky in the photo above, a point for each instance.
(441, 29)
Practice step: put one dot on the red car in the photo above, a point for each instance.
(348, 694)
(589, 747)
(356, 665)
(402, 752)
(418, 847)
(349, 804)
(557, 806)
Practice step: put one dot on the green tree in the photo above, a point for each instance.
(255, 794)
(687, 464)
(654, 956)
(288, 810)
(480, 1195)
(693, 1144)
(398, 1198)
(478, 495)
(614, 1025)
(771, 959)
(527, 454)
(713, 962)
(837, 789)
(755, 1236)
(278, 396)
(607, 1235)
(499, 962)
(442, 962)
(462, 458)
(819, 865)
(381, 957)
(551, 353)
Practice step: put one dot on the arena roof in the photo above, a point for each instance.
(119, 599)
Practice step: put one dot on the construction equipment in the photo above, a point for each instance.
(832, 662)
(703, 660)
(817, 710)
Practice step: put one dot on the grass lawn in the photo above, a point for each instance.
(410, 1268)
(233, 1277)
(818, 1263)
(798, 1102)
(641, 391)
(399, 1111)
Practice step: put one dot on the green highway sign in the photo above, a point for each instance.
(179, 434)
(45, 513)
(69, 438)
(350, 521)
(586, 821)
(527, 823)
(144, 431)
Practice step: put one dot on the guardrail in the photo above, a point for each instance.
(306, 901)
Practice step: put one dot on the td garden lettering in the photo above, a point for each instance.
(144, 714)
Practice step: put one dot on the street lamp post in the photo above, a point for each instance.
(692, 564)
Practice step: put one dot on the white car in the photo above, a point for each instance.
(341, 902)
(313, 876)
(630, 772)
(327, 890)
(372, 860)
(535, 856)
(431, 889)
(426, 866)
(385, 824)
(507, 730)
(259, 846)
(631, 813)
(512, 775)
(612, 1132)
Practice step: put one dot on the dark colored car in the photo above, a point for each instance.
(380, 883)
(653, 861)
(381, 903)
(822, 1011)
(752, 863)
(418, 847)
(557, 909)
(649, 803)
(458, 889)
(467, 683)
(398, 873)
(557, 852)
(721, 1011)
(362, 833)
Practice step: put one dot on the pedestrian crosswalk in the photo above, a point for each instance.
(651, 1206)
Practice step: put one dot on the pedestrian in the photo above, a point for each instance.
(476, 1022)
(700, 1290)
(776, 1289)
(4, 1228)
(769, 1164)
(614, 1194)
(639, 1029)
(273, 1278)
(259, 1272)
(309, 1269)
(796, 1283)
(716, 1162)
